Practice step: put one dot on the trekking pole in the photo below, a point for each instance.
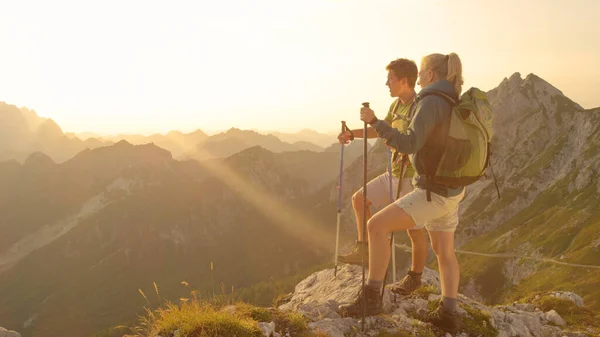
(393, 244)
(390, 161)
(364, 227)
(390, 174)
(393, 251)
(339, 209)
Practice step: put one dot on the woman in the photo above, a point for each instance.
(424, 141)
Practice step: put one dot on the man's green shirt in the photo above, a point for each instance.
(399, 119)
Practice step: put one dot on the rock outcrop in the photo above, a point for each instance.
(318, 296)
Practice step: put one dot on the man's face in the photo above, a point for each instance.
(396, 85)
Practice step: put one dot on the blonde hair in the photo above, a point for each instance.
(445, 67)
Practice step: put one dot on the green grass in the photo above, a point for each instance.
(424, 291)
(480, 209)
(257, 296)
(197, 318)
(581, 281)
(577, 318)
(477, 323)
(487, 273)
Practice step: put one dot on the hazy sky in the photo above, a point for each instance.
(150, 66)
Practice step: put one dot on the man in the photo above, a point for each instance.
(401, 79)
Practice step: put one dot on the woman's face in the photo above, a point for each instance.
(425, 76)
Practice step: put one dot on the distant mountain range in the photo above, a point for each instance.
(235, 140)
(23, 132)
(175, 142)
(307, 135)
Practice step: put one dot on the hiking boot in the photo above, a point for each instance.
(408, 284)
(355, 257)
(441, 318)
(373, 306)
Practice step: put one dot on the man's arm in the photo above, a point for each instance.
(359, 133)
(345, 136)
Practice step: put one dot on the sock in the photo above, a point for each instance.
(375, 284)
(415, 275)
(450, 304)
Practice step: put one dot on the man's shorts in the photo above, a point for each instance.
(378, 189)
(439, 215)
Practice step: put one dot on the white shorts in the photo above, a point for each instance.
(378, 189)
(439, 215)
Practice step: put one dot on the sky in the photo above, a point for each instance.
(153, 66)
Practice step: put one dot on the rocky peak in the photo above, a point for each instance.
(515, 81)
(175, 133)
(531, 92)
(198, 133)
(318, 296)
(32, 118)
(8, 333)
(49, 129)
(38, 160)
(13, 126)
(109, 160)
(246, 135)
(253, 153)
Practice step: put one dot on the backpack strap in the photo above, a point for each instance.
(412, 109)
(453, 101)
(411, 113)
(488, 161)
(395, 106)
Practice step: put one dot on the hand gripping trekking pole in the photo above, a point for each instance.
(339, 209)
(364, 227)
